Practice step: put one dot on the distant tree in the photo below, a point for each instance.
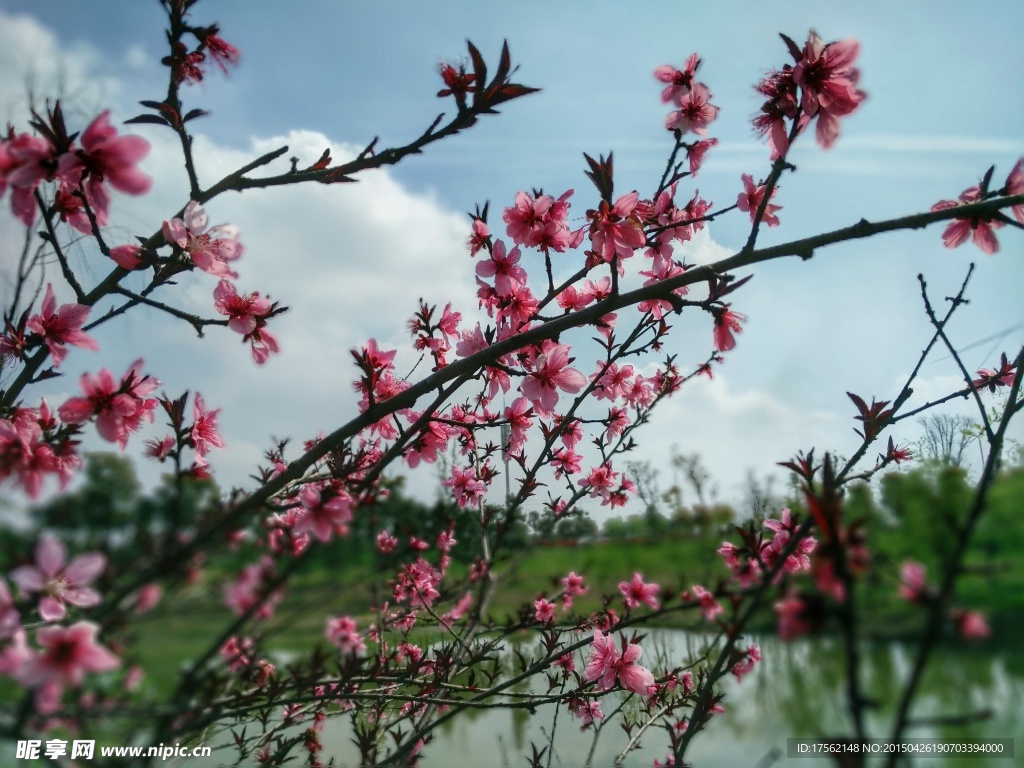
(946, 438)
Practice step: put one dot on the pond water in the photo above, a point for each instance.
(796, 692)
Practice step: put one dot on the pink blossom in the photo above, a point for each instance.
(106, 157)
(503, 267)
(10, 619)
(479, 237)
(586, 710)
(1015, 186)
(606, 665)
(970, 625)
(727, 322)
(695, 111)
(519, 418)
(913, 586)
(980, 230)
(342, 633)
(636, 591)
(543, 611)
(994, 379)
(25, 161)
(615, 230)
(327, 511)
(386, 543)
(119, 408)
(58, 327)
(59, 583)
(204, 430)
(243, 311)
(709, 607)
(210, 248)
(746, 662)
(467, 489)
(695, 153)
(551, 373)
(791, 614)
(572, 586)
(126, 256)
(750, 198)
(147, 598)
(679, 81)
(66, 654)
(829, 84)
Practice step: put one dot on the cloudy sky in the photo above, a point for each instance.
(945, 102)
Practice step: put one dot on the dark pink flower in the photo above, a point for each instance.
(58, 327)
(61, 583)
(913, 586)
(504, 268)
(970, 625)
(326, 511)
(126, 256)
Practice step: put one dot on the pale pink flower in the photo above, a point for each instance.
(66, 654)
(994, 379)
(679, 81)
(750, 199)
(586, 710)
(636, 591)
(61, 584)
(210, 248)
(551, 373)
(58, 327)
(695, 111)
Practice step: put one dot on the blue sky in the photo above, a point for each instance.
(945, 102)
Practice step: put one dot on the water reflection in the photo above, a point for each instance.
(796, 692)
